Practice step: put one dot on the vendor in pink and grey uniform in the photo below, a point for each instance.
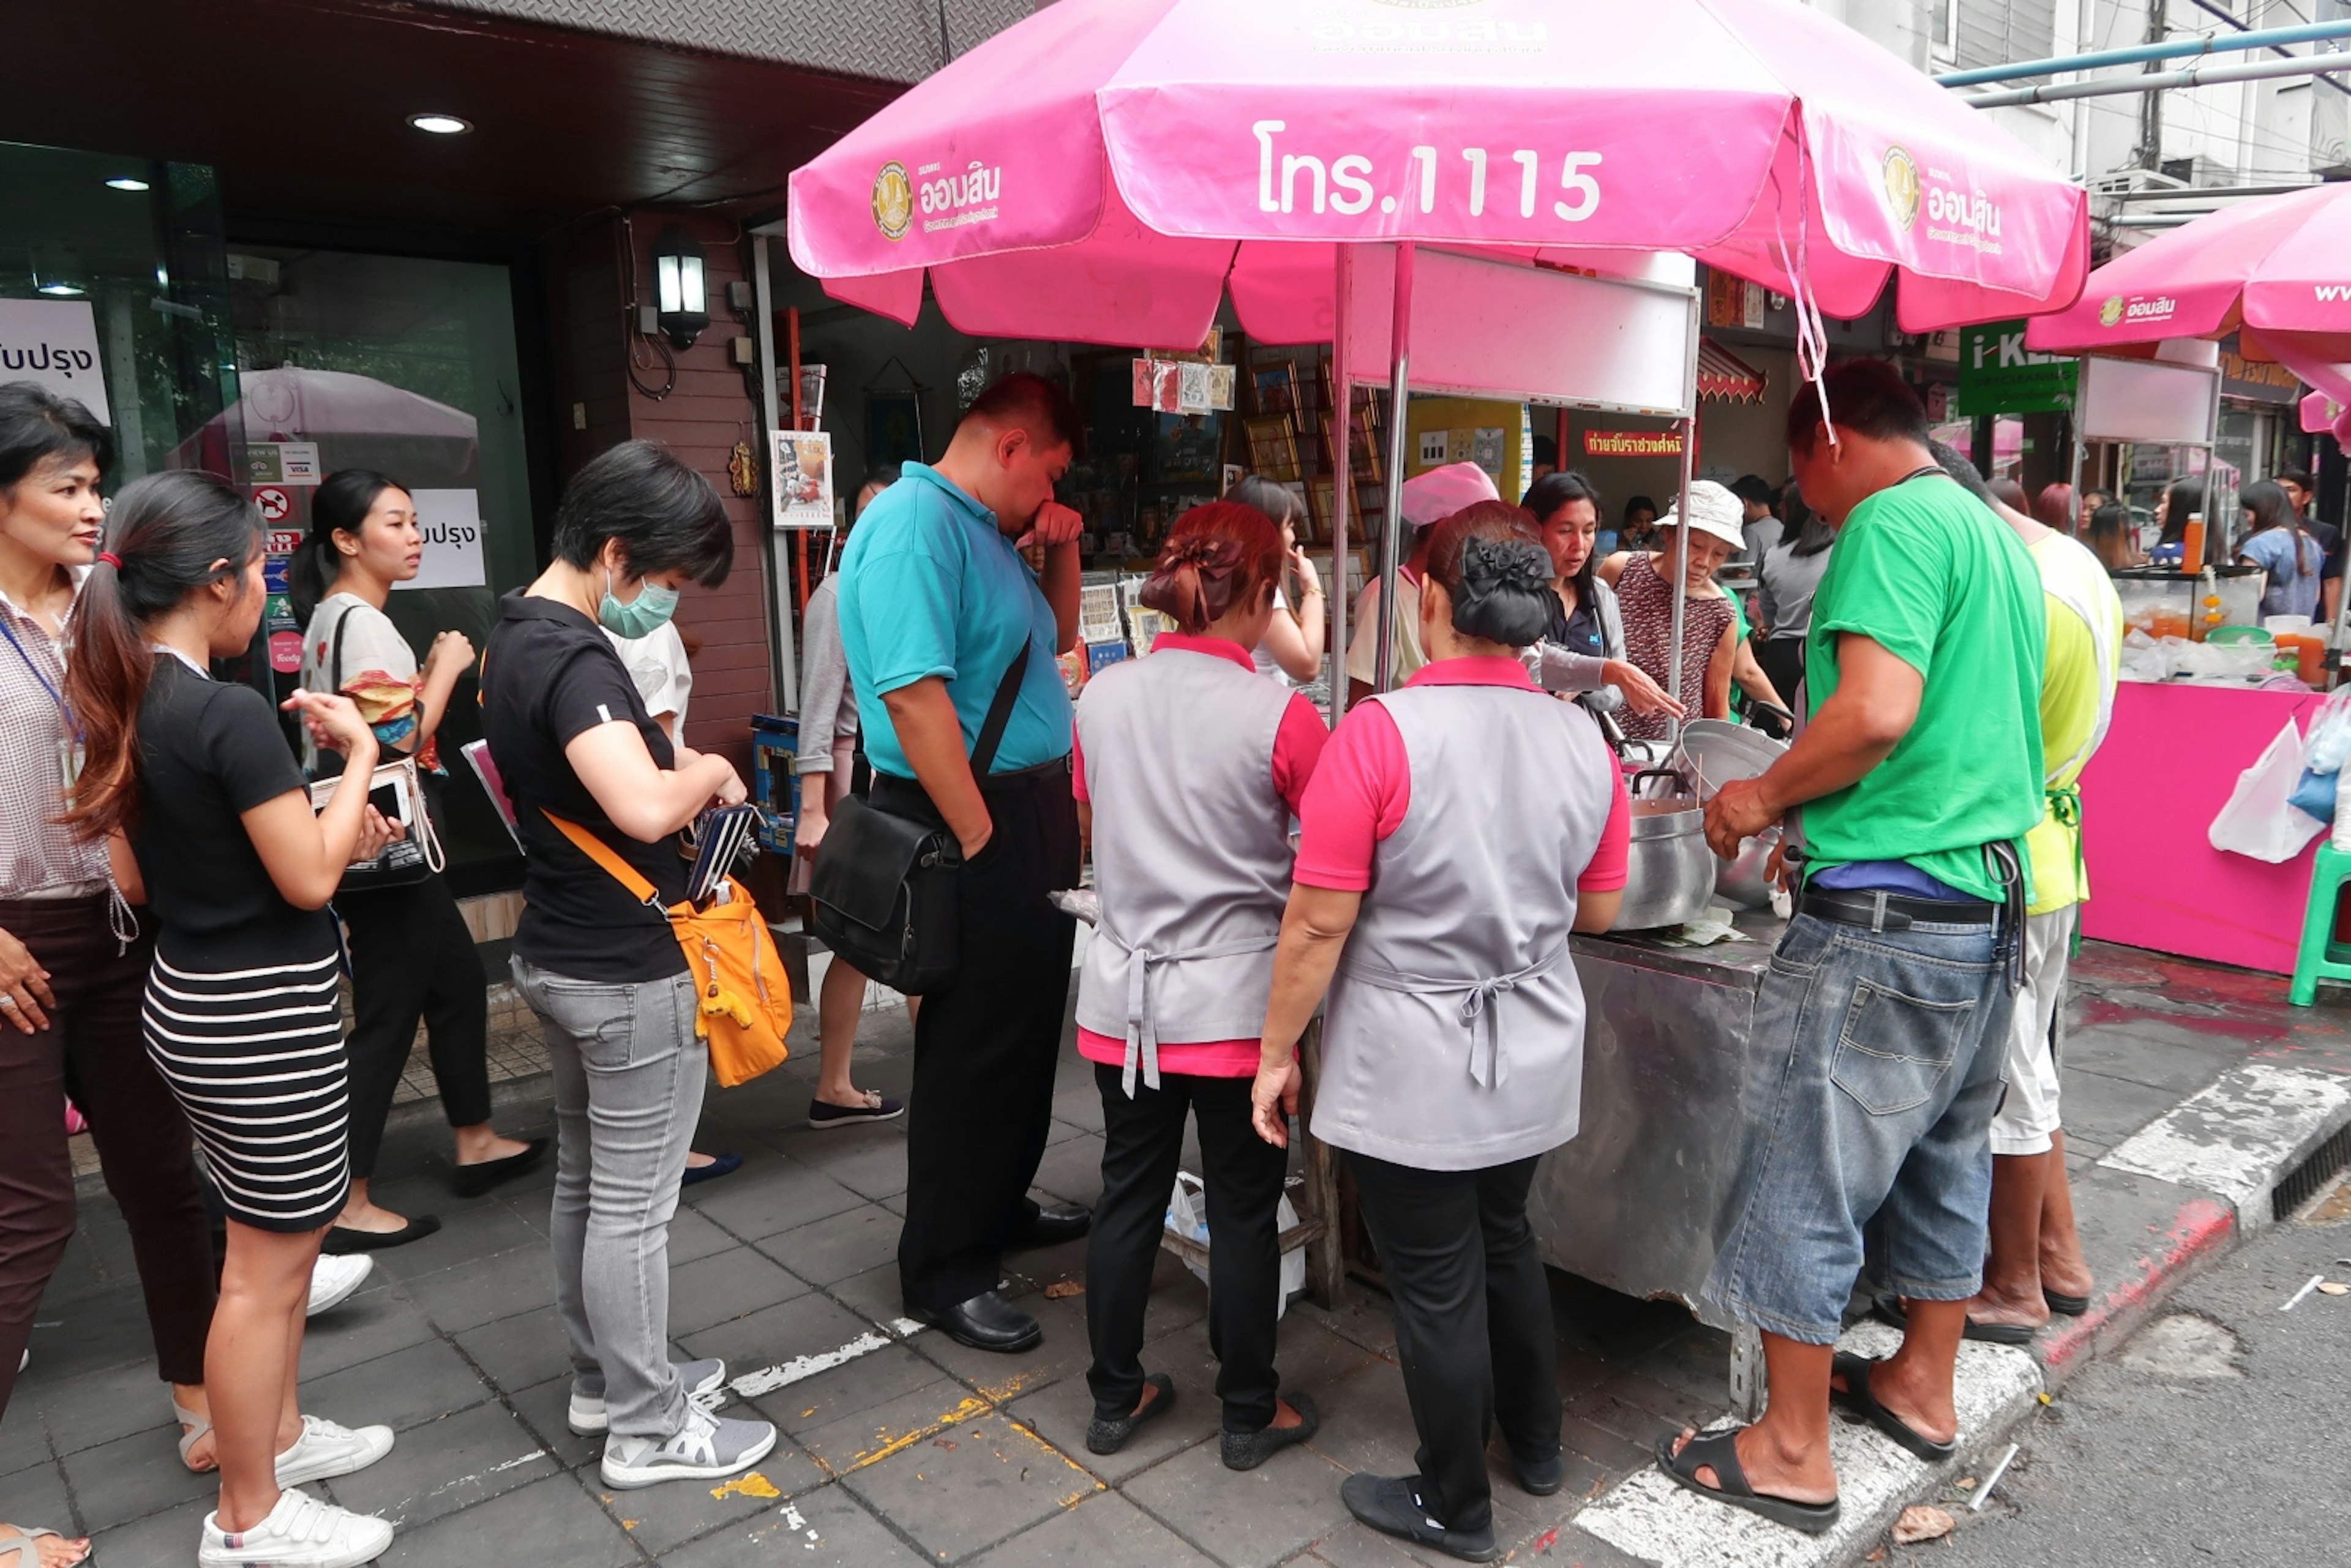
(1189, 767)
(1456, 834)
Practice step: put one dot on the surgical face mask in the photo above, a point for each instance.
(641, 616)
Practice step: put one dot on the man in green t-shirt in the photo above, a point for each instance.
(1877, 1037)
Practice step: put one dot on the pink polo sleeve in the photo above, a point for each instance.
(1297, 748)
(1357, 797)
(1610, 862)
(1078, 767)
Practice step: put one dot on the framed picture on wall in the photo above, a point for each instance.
(1274, 386)
(1273, 446)
(894, 426)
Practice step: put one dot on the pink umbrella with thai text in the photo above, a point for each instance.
(1104, 170)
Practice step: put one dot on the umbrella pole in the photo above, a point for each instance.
(1689, 428)
(1391, 536)
(1342, 490)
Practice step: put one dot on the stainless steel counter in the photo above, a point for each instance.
(1633, 1201)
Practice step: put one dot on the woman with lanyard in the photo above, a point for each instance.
(1582, 650)
(411, 957)
(1188, 770)
(71, 963)
(1456, 834)
(1645, 592)
(206, 815)
(1291, 651)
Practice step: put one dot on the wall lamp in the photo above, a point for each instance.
(682, 300)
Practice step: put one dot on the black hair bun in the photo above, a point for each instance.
(1505, 595)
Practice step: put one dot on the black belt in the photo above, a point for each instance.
(1882, 911)
(907, 798)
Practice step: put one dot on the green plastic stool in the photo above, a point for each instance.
(2322, 958)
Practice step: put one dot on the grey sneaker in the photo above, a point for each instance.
(706, 1383)
(707, 1447)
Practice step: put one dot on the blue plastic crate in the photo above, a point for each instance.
(775, 787)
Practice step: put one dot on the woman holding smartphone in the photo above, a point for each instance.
(208, 819)
(413, 958)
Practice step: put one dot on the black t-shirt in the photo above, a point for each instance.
(549, 676)
(210, 751)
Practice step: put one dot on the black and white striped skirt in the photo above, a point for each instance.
(255, 1058)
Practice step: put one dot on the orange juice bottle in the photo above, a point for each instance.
(2192, 543)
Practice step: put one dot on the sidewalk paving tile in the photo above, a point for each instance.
(541, 1408)
(725, 1286)
(828, 1528)
(832, 1248)
(1249, 1519)
(1103, 1531)
(553, 1520)
(868, 1436)
(450, 1464)
(851, 1389)
(169, 1537)
(370, 1324)
(404, 1389)
(971, 1484)
(2109, 1110)
(674, 1512)
(517, 1351)
(486, 1290)
(38, 1497)
(129, 1479)
(93, 1408)
(804, 1324)
(870, 1162)
(770, 1195)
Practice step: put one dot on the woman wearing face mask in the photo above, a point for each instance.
(411, 957)
(1583, 649)
(1645, 595)
(575, 744)
(208, 819)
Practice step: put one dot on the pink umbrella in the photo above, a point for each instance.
(2275, 270)
(1103, 169)
(1089, 172)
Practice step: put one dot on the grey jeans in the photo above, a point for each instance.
(629, 1076)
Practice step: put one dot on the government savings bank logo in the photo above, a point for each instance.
(894, 201)
(2110, 314)
(1901, 187)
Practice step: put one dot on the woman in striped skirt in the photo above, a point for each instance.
(209, 824)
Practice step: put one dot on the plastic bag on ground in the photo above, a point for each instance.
(1187, 1217)
(2260, 820)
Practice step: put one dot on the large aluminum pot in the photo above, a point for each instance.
(1719, 752)
(1670, 874)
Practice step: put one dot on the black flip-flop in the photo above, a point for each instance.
(2064, 1305)
(343, 1241)
(1720, 1452)
(1855, 1396)
(1889, 1308)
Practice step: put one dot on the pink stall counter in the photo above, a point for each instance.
(2167, 765)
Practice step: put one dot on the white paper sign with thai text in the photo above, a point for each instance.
(451, 522)
(54, 343)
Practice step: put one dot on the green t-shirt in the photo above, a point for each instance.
(1928, 573)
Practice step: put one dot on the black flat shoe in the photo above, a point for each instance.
(474, 1180)
(342, 1241)
(825, 1117)
(1056, 1223)
(1540, 1478)
(987, 1322)
(1391, 1505)
(719, 1165)
(1108, 1434)
(1247, 1450)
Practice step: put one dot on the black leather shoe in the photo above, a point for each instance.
(1391, 1505)
(1540, 1478)
(987, 1322)
(1247, 1450)
(1056, 1223)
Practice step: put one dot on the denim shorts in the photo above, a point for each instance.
(1873, 1070)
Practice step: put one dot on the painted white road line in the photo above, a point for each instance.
(783, 1374)
(2235, 1137)
(1649, 1517)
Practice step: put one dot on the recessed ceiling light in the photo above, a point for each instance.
(441, 124)
(62, 291)
(125, 183)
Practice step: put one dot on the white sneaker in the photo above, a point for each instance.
(325, 1450)
(708, 1448)
(332, 1279)
(300, 1533)
(703, 1381)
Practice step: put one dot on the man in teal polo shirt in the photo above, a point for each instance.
(1875, 1053)
(936, 606)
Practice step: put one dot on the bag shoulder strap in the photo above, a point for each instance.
(597, 850)
(335, 660)
(999, 713)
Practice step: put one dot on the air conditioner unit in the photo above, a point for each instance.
(2200, 171)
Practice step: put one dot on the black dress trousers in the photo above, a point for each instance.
(413, 959)
(1143, 1140)
(1473, 1320)
(986, 1042)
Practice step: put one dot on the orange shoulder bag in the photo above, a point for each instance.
(745, 1001)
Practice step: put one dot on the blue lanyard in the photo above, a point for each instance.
(55, 696)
